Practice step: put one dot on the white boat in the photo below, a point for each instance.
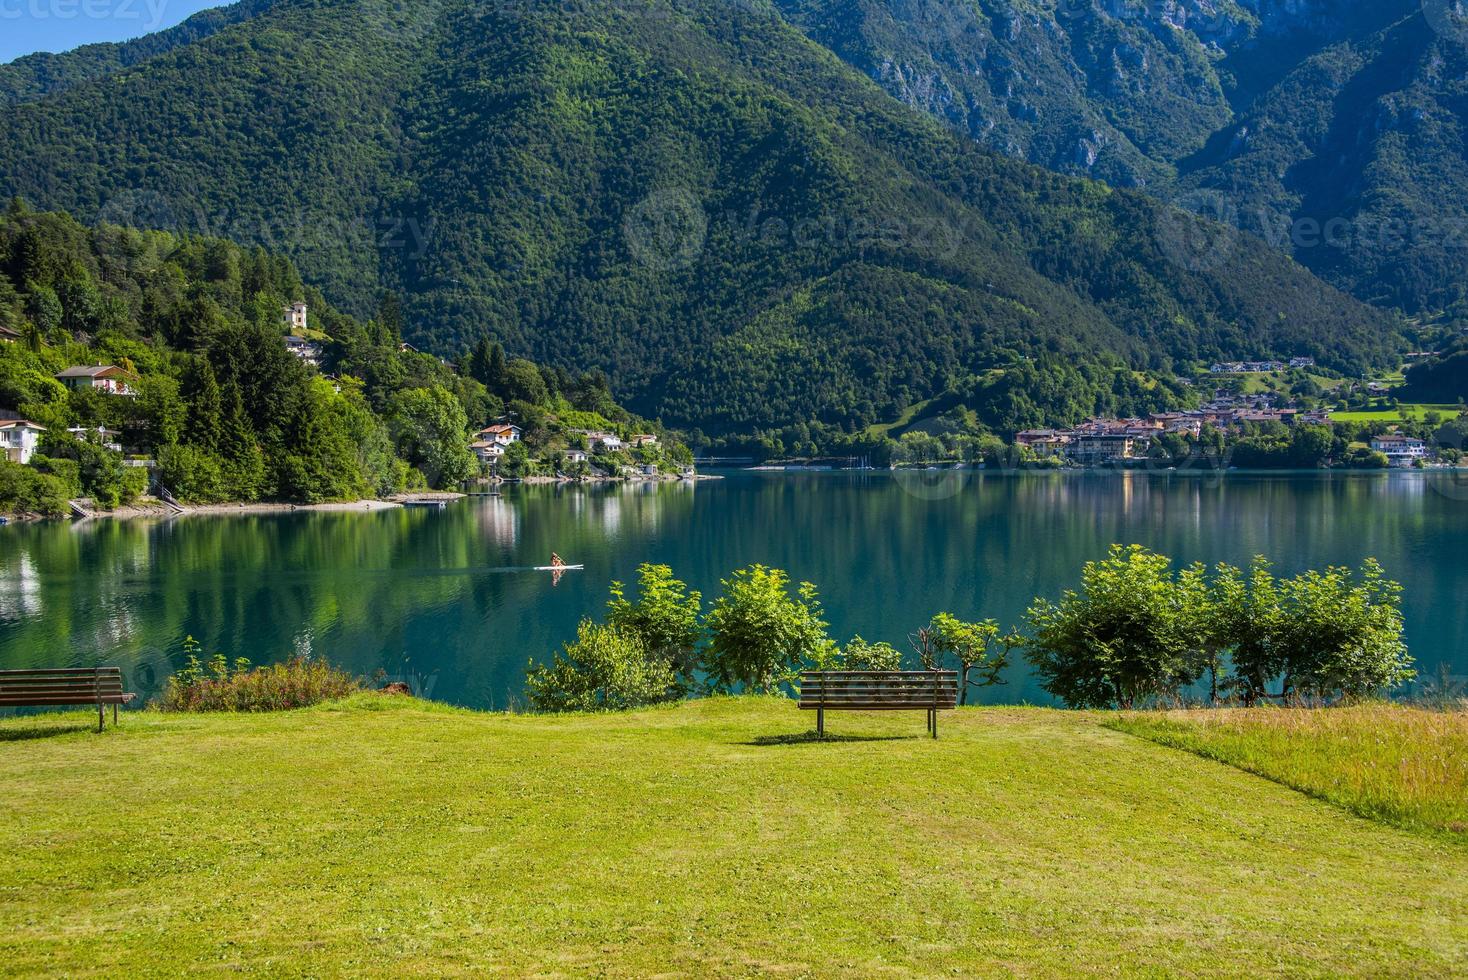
(560, 568)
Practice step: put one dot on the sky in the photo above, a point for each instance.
(27, 26)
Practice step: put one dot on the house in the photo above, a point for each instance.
(102, 377)
(606, 440)
(1302, 362)
(18, 440)
(106, 438)
(295, 316)
(7, 335)
(577, 456)
(643, 439)
(307, 350)
(1044, 442)
(1400, 450)
(500, 435)
(487, 450)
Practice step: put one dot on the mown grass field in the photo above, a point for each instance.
(1402, 413)
(388, 837)
(1407, 766)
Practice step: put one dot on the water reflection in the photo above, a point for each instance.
(444, 600)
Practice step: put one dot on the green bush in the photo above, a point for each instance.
(605, 669)
(861, 655)
(759, 632)
(220, 686)
(1136, 631)
(23, 490)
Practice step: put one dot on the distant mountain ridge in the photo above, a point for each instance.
(741, 230)
(1282, 116)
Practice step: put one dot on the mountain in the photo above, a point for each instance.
(695, 197)
(38, 75)
(1284, 117)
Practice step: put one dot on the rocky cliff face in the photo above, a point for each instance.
(1290, 110)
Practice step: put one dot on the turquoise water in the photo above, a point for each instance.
(444, 600)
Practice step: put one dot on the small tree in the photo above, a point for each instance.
(1121, 639)
(1341, 633)
(949, 640)
(604, 669)
(759, 632)
(665, 617)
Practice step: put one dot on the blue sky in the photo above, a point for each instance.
(27, 26)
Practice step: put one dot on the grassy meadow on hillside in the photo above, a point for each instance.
(714, 838)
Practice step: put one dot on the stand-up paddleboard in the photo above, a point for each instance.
(560, 568)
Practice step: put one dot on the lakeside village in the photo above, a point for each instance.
(562, 453)
(529, 442)
(1259, 415)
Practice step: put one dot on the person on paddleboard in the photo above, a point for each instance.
(556, 561)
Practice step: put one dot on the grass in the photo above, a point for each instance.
(383, 836)
(1403, 413)
(1406, 766)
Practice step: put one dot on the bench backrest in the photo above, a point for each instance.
(72, 685)
(879, 690)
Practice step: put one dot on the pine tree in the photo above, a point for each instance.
(390, 317)
(206, 408)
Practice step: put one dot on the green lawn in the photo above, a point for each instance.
(388, 837)
(1403, 413)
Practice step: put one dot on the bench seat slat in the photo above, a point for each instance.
(6, 693)
(64, 672)
(58, 700)
(875, 707)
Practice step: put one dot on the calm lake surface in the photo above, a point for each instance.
(442, 599)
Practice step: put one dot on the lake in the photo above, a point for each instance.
(442, 598)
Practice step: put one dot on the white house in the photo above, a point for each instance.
(576, 456)
(307, 350)
(644, 439)
(1400, 450)
(295, 316)
(7, 335)
(102, 377)
(106, 438)
(18, 439)
(501, 435)
(604, 439)
(487, 451)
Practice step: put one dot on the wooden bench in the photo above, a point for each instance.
(879, 690)
(70, 686)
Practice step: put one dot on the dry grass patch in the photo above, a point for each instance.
(1402, 765)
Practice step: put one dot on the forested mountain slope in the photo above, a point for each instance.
(1332, 128)
(743, 231)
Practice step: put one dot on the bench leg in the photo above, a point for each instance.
(114, 715)
(821, 722)
(101, 717)
(933, 724)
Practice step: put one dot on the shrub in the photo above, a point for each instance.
(1136, 631)
(861, 655)
(1121, 639)
(759, 632)
(220, 686)
(25, 491)
(665, 616)
(604, 669)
